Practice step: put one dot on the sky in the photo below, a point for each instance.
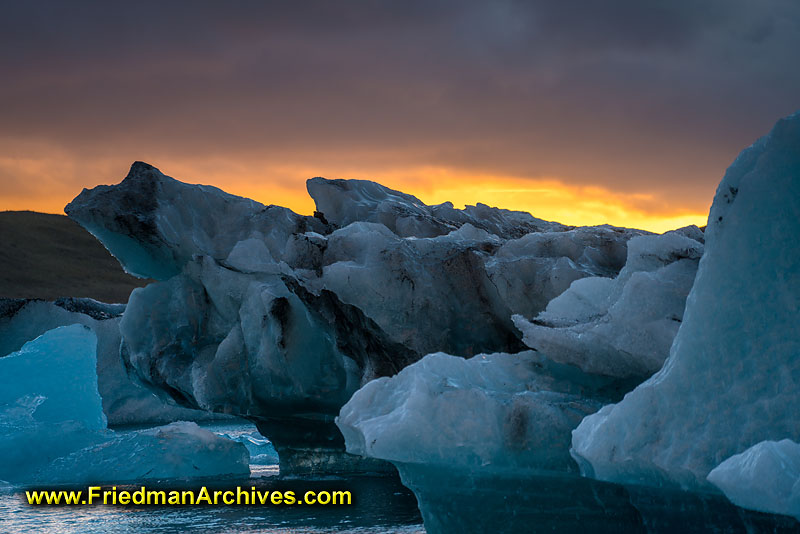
(584, 112)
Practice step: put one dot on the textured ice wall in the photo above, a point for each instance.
(732, 378)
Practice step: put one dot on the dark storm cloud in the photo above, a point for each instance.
(627, 94)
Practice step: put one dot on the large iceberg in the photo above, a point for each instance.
(53, 430)
(280, 318)
(765, 477)
(624, 326)
(125, 402)
(732, 379)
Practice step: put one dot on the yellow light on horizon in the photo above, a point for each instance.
(545, 198)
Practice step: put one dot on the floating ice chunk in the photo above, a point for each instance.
(732, 378)
(124, 401)
(765, 477)
(59, 368)
(52, 426)
(179, 450)
(625, 326)
(264, 313)
(261, 450)
(49, 404)
(499, 412)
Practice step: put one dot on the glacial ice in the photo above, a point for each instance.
(125, 402)
(765, 477)
(732, 379)
(53, 430)
(624, 326)
(483, 442)
(493, 412)
(261, 450)
(154, 225)
(178, 450)
(280, 318)
(38, 371)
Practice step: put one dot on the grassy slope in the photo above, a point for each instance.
(50, 256)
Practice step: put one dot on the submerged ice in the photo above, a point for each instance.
(54, 429)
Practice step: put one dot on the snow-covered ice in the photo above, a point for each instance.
(732, 379)
(765, 477)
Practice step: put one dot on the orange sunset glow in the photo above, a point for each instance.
(629, 117)
(549, 199)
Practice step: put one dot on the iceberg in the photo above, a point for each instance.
(53, 430)
(38, 371)
(765, 477)
(125, 401)
(624, 326)
(280, 318)
(495, 430)
(261, 450)
(179, 450)
(732, 379)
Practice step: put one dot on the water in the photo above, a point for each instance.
(453, 501)
(380, 505)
